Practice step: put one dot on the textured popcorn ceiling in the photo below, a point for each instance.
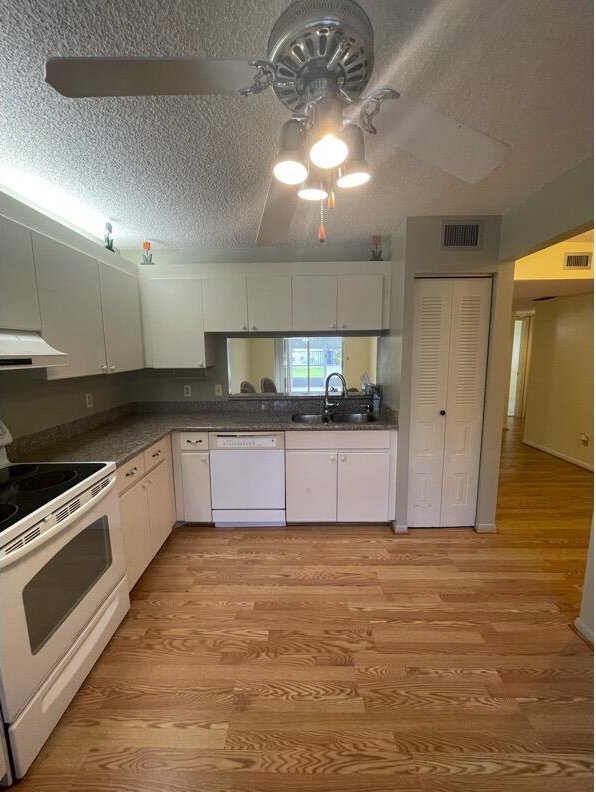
(193, 171)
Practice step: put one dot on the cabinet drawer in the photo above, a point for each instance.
(338, 439)
(194, 441)
(157, 453)
(130, 472)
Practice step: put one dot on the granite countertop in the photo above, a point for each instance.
(125, 437)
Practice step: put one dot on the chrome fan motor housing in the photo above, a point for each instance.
(314, 41)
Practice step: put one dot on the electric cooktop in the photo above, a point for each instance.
(25, 488)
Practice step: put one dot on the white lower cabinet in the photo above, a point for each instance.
(311, 486)
(340, 476)
(194, 476)
(362, 486)
(147, 506)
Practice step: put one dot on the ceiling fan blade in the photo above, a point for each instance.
(78, 77)
(277, 213)
(424, 132)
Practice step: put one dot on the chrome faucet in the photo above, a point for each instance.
(344, 392)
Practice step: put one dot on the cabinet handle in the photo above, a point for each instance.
(201, 364)
(156, 454)
(144, 486)
(244, 327)
(254, 327)
(103, 367)
(332, 457)
(204, 460)
(132, 471)
(194, 442)
(332, 326)
(342, 326)
(442, 412)
(113, 367)
(343, 458)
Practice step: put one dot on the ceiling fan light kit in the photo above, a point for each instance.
(320, 60)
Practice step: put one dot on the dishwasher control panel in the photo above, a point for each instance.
(245, 442)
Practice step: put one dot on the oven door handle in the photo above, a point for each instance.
(55, 530)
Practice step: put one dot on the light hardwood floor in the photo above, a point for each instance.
(346, 658)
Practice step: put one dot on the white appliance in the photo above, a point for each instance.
(247, 479)
(24, 349)
(63, 587)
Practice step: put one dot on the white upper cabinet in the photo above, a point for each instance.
(121, 319)
(269, 302)
(70, 304)
(173, 323)
(314, 302)
(360, 302)
(19, 307)
(225, 305)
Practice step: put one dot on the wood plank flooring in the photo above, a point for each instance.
(349, 659)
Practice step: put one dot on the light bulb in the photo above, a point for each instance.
(353, 175)
(309, 193)
(328, 152)
(290, 171)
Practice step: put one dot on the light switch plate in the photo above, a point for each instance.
(88, 400)
(188, 390)
(218, 390)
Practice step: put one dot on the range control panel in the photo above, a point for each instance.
(246, 441)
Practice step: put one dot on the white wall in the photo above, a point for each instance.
(561, 207)
(560, 391)
(423, 255)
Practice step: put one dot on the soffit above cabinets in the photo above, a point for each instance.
(193, 171)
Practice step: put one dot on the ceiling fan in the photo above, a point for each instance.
(319, 62)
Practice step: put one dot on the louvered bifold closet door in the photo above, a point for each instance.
(470, 313)
(430, 365)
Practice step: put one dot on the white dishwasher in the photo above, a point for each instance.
(248, 480)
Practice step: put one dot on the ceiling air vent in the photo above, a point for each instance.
(577, 261)
(461, 236)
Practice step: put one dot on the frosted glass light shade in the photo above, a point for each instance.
(311, 193)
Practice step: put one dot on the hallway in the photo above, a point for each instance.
(348, 659)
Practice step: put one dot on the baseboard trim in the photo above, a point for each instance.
(485, 528)
(586, 633)
(399, 529)
(557, 454)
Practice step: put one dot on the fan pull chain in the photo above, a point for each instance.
(322, 234)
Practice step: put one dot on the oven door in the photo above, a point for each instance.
(50, 590)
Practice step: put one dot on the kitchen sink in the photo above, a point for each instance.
(309, 418)
(353, 418)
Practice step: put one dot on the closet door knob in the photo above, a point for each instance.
(442, 412)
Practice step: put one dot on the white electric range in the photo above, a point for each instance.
(63, 590)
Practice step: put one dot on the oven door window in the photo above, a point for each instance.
(63, 582)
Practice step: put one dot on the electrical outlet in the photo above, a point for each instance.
(218, 390)
(88, 400)
(584, 439)
(188, 390)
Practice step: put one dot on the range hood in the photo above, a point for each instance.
(24, 349)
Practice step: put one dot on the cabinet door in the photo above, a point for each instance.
(430, 363)
(360, 302)
(470, 312)
(19, 307)
(135, 530)
(314, 302)
(173, 323)
(269, 302)
(161, 503)
(362, 486)
(70, 305)
(225, 305)
(196, 486)
(311, 486)
(122, 319)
